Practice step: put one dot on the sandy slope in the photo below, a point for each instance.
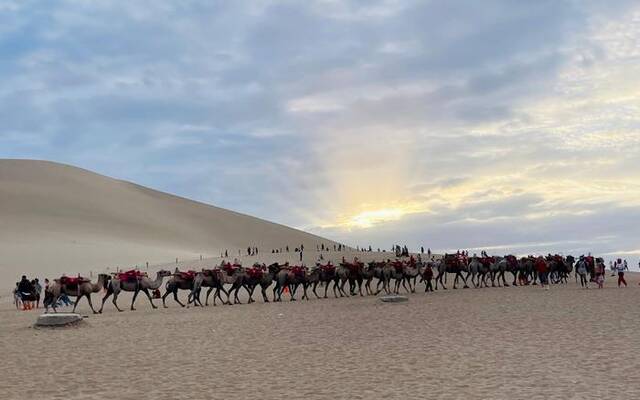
(56, 218)
(502, 343)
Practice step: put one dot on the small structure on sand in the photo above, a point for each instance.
(394, 298)
(58, 319)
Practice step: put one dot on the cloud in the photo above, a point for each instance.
(502, 124)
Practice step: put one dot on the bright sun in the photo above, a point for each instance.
(367, 219)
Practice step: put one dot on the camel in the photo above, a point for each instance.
(476, 269)
(311, 278)
(326, 275)
(451, 264)
(140, 284)
(370, 271)
(212, 279)
(384, 272)
(502, 265)
(354, 275)
(233, 275)
(74, 287)
(258, 275)
(411, 271)
(289, 277)
(183, 281)
(560, 268)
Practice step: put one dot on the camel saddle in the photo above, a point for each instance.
(131, 276)
(230, 269)
(72, 280)
(353, 267)
(398, 266)
(512, 261)
(298, 271)
(186, 275)
(487, 261)
(327, 268)
(255, 272)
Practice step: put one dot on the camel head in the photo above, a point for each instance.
(274, 268)
(164, 273)
(103, 279)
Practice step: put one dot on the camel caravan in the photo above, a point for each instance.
(344, 280)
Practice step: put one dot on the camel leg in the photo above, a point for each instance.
(223, 290)
(504, 281)
(175, 297)
(91, 304)
(164, 296)
(250, 291)
(292, 292)
(206, 299)
(264, 293)
(76, 303)
(133, 301)
(464, 280)
(404, 285)
(104, 299)
(146, 291)
(315, 285)
(115, 301)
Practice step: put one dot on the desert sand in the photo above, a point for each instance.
(494, 343)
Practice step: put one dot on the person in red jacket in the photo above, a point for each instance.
(543, 272)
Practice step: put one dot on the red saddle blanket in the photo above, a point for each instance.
(327, 268)
(131, 276)
(255, 272)
(353, 268)
(230, 269)
(298, 271)
(487, 261)
(398, 266)
(186, 275)
(72, 280)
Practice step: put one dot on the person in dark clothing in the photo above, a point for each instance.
(428, 277)
(25, 285)
(26, 293)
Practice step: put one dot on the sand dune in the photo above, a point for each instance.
(61, 219)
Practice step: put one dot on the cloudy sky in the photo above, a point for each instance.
(507, 125)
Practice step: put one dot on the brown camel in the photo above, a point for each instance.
(183, 281)
(259, 274)
(133, 282)
(213, 279)
(77, 287)
(289, 277)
